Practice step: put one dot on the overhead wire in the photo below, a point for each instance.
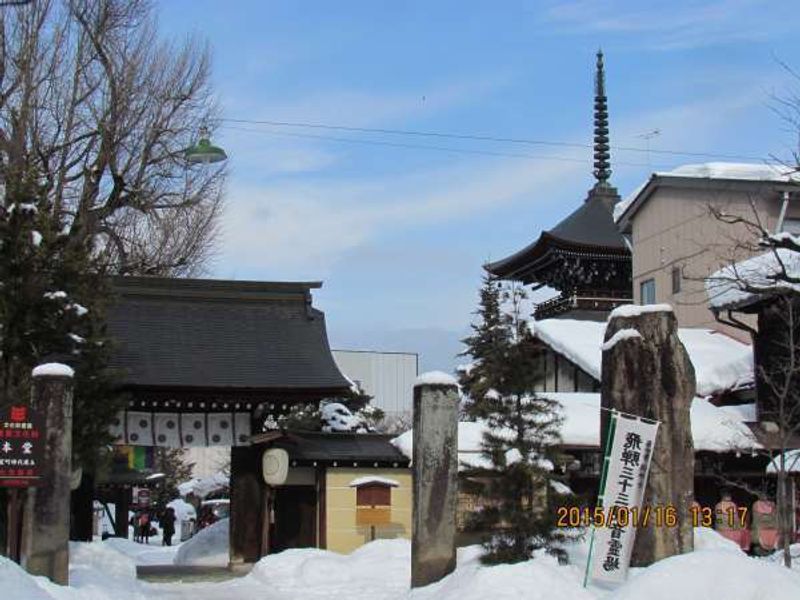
(426, 147)
(487, 138)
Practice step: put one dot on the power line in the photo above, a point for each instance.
(586, 160)
(486, 138)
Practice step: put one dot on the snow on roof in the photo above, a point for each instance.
(748, 280)
(716, 429)
(435, 378)
(370, 479)
(53, 370)
(621, 206)
(792, 463)
(720, 362)
(738, 171)
(203, 486)
(717, 170)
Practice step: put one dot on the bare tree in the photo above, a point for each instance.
(772, 281)
(101, 110)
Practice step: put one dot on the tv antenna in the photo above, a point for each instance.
(647, 136)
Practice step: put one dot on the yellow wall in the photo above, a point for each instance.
(343, 535)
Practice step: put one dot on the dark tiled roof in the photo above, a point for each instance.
(335, 447)
(590, 228)
(220, 334)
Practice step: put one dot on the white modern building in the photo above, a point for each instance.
(386, 376)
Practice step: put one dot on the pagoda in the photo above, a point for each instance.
(585, 257)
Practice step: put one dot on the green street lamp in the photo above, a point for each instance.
(203, 152)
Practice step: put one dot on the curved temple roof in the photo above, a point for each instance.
(194, 333)
(589, 229)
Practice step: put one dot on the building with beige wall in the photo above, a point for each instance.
(342, 490)
(354, 518)
(677, 240)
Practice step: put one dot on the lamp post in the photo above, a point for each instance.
(204, 152)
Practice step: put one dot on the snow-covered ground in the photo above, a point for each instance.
(381, 571)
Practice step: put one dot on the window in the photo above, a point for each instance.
(647, 291)
(676, 280)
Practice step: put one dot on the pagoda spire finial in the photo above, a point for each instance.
(602, 155)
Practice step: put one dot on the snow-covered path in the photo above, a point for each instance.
(229, 590)
(381, 571)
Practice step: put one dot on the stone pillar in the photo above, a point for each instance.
(122, 504)
(435, 474)
(650, 375)
(247, 498)
(45, 537)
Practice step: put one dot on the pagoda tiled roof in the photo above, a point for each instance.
(589, 230)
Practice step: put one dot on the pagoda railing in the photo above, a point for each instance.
(589, 300)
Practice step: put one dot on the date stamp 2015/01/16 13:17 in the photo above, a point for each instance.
(658, 516)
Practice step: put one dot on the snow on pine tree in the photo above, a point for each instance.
(51, 298)
(519, 443)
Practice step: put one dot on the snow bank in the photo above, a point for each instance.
(16, 583)
(748, 280)
(539, 579)
(207, 548)
(183, 511)
(720, 362)
(99, 572)
(706, 538)
(378, 570)
(711, 574)
(53, 370)
(435, 378)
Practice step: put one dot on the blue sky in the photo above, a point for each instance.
(397, 233)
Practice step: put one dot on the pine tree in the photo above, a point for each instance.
(519, 443)
(52, 295)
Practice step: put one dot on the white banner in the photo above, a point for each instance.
(626, 467)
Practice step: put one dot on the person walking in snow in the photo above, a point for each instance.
(168, 526)
(144, 528)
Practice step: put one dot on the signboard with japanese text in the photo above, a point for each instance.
(142, 498)
(22, 442)
(620, 511)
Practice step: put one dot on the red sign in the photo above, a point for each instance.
(143, 498)
(22, 442)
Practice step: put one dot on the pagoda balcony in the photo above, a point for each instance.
(600, 301)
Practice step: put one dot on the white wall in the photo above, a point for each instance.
(386, 376)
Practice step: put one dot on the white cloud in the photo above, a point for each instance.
(305, 228)
(670, 27)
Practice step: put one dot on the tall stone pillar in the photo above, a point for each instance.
(247, 512)
(646, 371)
(435, 474)
(45, 536)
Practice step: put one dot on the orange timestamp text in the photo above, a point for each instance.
(657, 516)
